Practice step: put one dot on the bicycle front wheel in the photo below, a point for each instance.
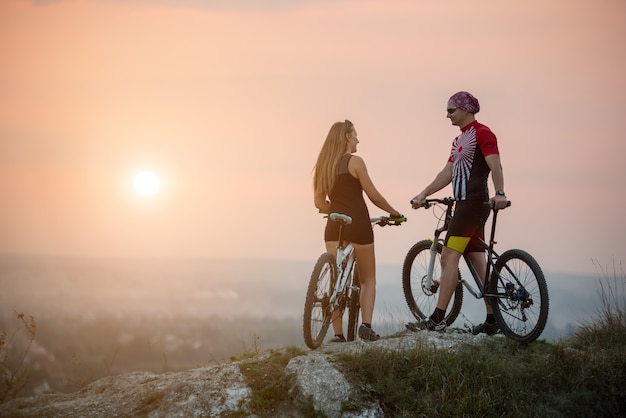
(354, 303)
(317, 313)
(421, 298)
(522, 307)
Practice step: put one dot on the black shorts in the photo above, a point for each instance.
(357, 232)
(467, 227)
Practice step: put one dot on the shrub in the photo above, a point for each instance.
(13, 372)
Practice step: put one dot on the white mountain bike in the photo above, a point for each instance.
(335, 285)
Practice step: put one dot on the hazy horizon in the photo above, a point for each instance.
(88, 287)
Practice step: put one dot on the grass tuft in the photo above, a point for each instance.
(269, 384)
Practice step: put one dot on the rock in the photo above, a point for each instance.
(206, 391)
(319, 381)
(222, 389)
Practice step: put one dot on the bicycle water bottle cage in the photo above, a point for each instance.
(340, 217)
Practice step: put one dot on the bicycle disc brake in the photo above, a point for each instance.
(429, 290)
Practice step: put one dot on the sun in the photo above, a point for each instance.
(147, 183)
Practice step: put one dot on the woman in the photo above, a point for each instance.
(339, 181)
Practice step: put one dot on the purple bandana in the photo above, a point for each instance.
(465, 101)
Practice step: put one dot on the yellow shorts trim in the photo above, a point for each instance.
(458, 244)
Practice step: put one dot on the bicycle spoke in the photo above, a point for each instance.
(421, 296)
(317, 304)
(522, 306)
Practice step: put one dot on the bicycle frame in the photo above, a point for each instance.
(345, 263)
(345, 255)
(345, 260)
(492, 257)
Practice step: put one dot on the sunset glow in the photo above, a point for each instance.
(146, 183)
(234, 99)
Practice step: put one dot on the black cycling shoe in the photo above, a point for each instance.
(485, 328)
(367, 334)
(338, 339)
(426, 324)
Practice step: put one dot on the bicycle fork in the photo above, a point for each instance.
(431, 284)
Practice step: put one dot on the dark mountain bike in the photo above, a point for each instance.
(514, 285)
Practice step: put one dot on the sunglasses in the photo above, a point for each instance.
(452, 110)
(348, 124)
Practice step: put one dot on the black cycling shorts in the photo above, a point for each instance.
(467, 227)
(357, 232)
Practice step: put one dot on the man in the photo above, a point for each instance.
(474, 155)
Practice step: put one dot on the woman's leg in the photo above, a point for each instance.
(366, 260)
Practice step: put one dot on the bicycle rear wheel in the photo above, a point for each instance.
(522, 312)
(422, 300)
(317, 312)
(354, 303)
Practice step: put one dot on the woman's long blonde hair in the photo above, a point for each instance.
(335, 146)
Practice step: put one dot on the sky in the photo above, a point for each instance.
(228, 103)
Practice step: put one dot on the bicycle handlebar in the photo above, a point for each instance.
(381, 220)
(386, 220)
(448, 201)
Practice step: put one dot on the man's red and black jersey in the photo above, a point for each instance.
(469, 168)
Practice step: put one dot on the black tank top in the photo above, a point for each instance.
(347, 197)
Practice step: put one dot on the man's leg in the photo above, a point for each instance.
(449, 276)
(447, 285)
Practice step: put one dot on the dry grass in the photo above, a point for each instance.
(584, 375)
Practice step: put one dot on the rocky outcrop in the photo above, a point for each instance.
(221, 389)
